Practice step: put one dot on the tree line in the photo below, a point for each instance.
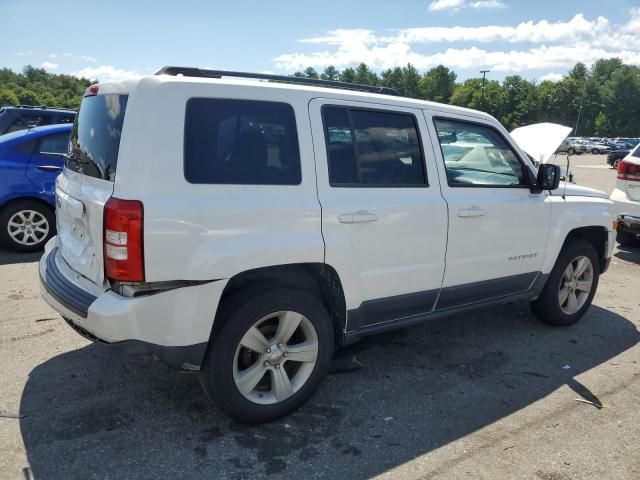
(605, 97)
(36, 86)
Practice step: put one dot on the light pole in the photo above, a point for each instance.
(484, 76)
(584, 94)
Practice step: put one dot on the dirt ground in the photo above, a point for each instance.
(491, 395)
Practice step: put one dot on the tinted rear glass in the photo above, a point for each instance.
(95, 138)
(240, 142)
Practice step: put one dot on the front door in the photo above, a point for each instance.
(498, 229)
(383, 216)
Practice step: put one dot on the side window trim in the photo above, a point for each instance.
(349, 108)
(525, 168)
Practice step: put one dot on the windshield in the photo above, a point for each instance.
(95, 138)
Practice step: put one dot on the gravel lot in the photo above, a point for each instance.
(490, 395)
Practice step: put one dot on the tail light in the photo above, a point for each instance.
(628, 171)
(123, 240)
(91, 91)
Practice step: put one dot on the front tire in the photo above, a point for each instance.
(26, 225)
(270, 354)
(571, 285)
(571, 150)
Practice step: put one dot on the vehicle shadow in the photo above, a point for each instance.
(628, 254)
(389, 399)
(9, 257)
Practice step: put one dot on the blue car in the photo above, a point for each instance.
(30, 161)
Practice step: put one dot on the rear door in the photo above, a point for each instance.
(383, 217)
(47, 161)
(87, 182)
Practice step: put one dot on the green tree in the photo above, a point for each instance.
(601, 125)
(365, 76)
(8, 97)
(311, 73)
(438, 84)
(411, 82)
(348, 75)
(330, 73)
(393, 79)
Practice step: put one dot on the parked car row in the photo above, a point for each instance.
(33, 142)
(596, 146)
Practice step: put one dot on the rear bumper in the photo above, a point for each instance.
(174, 325)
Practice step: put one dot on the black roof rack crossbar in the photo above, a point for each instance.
(43, 107)
(200, 72)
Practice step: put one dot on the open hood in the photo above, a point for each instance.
(540, 140)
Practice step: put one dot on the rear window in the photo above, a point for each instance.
(95, 137)
(240, 142)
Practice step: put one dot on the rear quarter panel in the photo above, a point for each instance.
(204, 232)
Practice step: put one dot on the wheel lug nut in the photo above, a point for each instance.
(268, 350)
(285, 354)
(266, 364)
(277, 365)
(279, 345)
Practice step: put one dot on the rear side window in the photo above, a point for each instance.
(95, 137)
(372, 148)
(636, 152)
(54, 144)
(240, 142)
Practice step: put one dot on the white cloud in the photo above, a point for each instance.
(455, 5)
(25, 53)
(539, 45)
(88, 58)
(53, 55)
(106, 73)
(488, 4)
(49, 65)
(551, 77)
(445, 4)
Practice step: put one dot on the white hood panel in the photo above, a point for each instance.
(540, 140)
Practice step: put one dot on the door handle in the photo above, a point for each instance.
(472, 212)
(48, 168)
(361, 216)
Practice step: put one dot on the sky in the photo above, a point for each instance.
(538, 39)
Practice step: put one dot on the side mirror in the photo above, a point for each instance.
(548, 177)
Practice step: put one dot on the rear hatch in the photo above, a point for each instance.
(87, 181)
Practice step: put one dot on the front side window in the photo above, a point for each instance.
(54, 144)
(372, 148)
(241, 142)
(477, 156)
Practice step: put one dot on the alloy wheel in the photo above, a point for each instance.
(275, 357)
(575, 285)
(28, 227)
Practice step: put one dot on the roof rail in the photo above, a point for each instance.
(43, 107)
(200, 72)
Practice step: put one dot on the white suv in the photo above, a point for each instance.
(626, 195)
(246, 228)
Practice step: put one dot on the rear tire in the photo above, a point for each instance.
(26, 225)
(287, 368)
(571, 150)
(567, 295)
